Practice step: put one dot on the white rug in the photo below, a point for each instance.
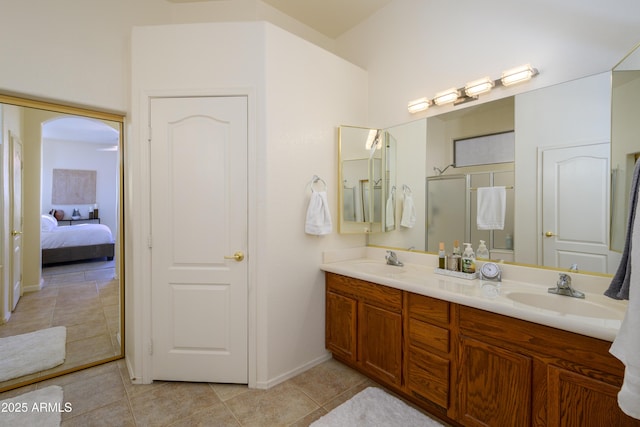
(42, 408)
(373, 407)
(28, 353)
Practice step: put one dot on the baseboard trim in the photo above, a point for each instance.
(288, 375)
(34, 288)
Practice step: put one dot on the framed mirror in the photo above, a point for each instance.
(61, 254)
(366, 173)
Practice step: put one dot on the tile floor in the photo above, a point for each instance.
(84, 297)
(105, 396)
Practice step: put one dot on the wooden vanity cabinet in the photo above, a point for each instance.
(516, 373)
(428, 348)
(364, 326)
(471, 366)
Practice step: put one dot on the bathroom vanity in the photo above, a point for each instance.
(473, 352)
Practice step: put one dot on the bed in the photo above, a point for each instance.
(74, 242)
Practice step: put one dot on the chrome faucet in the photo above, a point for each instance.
(563, 287)
(392, 259)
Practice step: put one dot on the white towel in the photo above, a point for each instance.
(626, 346)
(408, 212)
(390, 216)
(318, 215)
(492, 205)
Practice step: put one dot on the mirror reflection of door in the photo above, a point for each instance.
(75, 289)
(575, 208)
(16, 220)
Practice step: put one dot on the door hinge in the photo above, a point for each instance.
(149, 134)
(150, 348)
(149, 242)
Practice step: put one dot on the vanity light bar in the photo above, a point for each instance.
(519, 74)
(446, 96)
(479, 86)
(474, 88)
(417, 105)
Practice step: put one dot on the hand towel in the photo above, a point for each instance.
(390, 214)
(626, 345)
(492, 205)
(318, 216)
(408, 212)
(619, 287)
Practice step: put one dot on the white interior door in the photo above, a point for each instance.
(199, 221)
(575, 207)
(16, 221)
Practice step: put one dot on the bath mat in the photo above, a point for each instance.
(42, 408)
(373, 407)
(28, 353)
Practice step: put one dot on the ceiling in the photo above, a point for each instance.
(79, 129)
(329, 17)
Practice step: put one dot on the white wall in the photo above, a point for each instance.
(308, 92)
(292, 128)
(78, 51)
(415, 48)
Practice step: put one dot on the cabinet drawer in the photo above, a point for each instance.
(429, 309)
(372, 293)
(428, 336)
(428, 376)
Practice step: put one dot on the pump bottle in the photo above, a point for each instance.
(468, 259)
(482, 252)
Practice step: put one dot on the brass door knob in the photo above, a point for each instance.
(238, 256)
(550, 234)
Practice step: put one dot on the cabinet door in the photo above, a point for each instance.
(495, 385)
(579, 401)
(380, 343)
(340, 333)
(427, 376)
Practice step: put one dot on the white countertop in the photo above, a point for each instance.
(596, 316)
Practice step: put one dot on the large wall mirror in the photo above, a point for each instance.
(61, 259)
(575, 147)
(367, 177)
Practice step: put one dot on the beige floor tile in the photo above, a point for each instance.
(171, 402)
(93, 393)
(217, 415)
(327, 380)
(228, 391)
(115, 414)
(281, 405)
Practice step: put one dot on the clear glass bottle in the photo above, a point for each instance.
(442, 256)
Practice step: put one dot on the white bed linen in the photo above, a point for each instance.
(76, 235)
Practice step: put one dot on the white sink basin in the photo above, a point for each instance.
(378, 268)
(567, 305)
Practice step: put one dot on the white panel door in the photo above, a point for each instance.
(16, 221)
(575, 207)
(199, 221)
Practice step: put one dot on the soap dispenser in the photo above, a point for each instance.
(482, 252)
(468, 259)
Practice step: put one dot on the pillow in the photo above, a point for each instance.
(47, 222)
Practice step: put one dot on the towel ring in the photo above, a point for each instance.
(317, 179)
